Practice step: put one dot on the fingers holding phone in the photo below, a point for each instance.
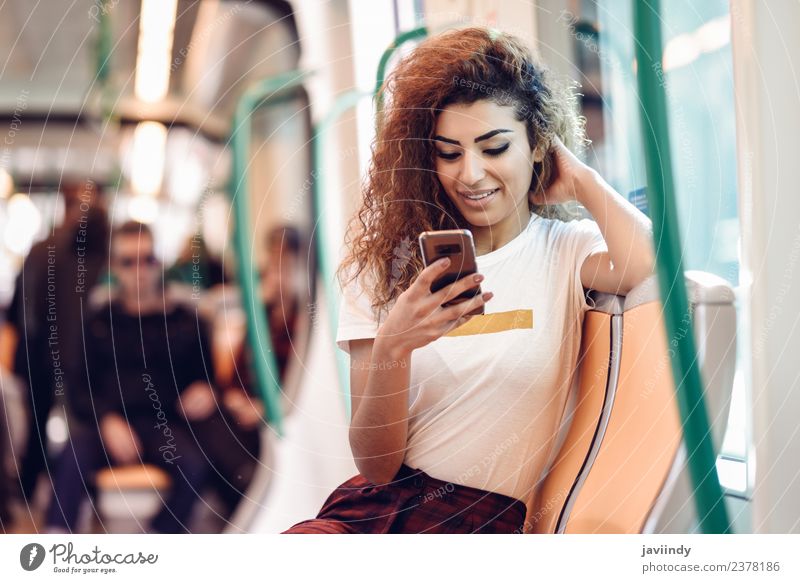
(460, 291)
(460, 313)
(418, 317)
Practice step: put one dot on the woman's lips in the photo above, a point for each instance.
(486, 195)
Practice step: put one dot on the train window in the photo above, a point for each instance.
(594, 46)
(372, 34)
(26, 217)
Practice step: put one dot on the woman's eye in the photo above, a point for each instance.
(447, 155)
(497, 151)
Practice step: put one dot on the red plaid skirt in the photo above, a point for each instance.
(413, 502)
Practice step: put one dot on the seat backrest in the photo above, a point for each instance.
(620, 468)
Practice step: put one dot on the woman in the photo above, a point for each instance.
(454, 417)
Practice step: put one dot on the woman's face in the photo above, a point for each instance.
(484, 162)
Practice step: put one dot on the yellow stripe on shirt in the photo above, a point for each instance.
(497, 322)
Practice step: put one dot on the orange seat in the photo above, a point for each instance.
(133, 477)
(128, 497)
(621, 467)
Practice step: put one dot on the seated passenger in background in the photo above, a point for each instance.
(232, 440)
(281, 303)
(279, 290)
(197, 266)
(41, 337)
(149, 363)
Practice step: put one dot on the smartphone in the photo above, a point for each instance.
(457, 244)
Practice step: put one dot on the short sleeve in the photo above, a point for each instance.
(357, 319)
(589, 240)
(585, 239)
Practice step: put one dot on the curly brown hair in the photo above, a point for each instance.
(402, 195)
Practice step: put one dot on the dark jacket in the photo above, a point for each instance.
(138, 365)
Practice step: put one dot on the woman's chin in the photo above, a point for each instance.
(478, 218)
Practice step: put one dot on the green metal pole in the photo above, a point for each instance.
(265, 364)
(708, 496)
(102, 58)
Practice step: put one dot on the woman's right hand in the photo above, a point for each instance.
(418, 318)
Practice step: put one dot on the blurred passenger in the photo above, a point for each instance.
(232, 442)
(281, 302)
(279, 290)
(45, 316)
(149, 362)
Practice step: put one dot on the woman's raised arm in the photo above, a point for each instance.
(627, 231)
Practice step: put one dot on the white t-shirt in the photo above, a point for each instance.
(485, 401)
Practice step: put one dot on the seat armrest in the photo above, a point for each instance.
(644, 293)
(605, 302)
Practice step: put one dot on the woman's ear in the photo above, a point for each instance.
(538, 153)
(537, 198)
(535, 191)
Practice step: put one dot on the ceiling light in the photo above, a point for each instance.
(156, 32)
(147, 158)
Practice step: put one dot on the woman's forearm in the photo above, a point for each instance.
(379, 427)
(627, 231)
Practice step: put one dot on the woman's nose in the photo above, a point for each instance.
(472, 170)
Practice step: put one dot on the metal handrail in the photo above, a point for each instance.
(260, 94)
(402, 38)
(264, 364)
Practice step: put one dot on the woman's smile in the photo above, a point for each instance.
(479, 198)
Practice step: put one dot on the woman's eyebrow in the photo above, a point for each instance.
(480, 138)
(491, 134)
(448, 140)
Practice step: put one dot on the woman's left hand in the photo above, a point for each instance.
(566, 176)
